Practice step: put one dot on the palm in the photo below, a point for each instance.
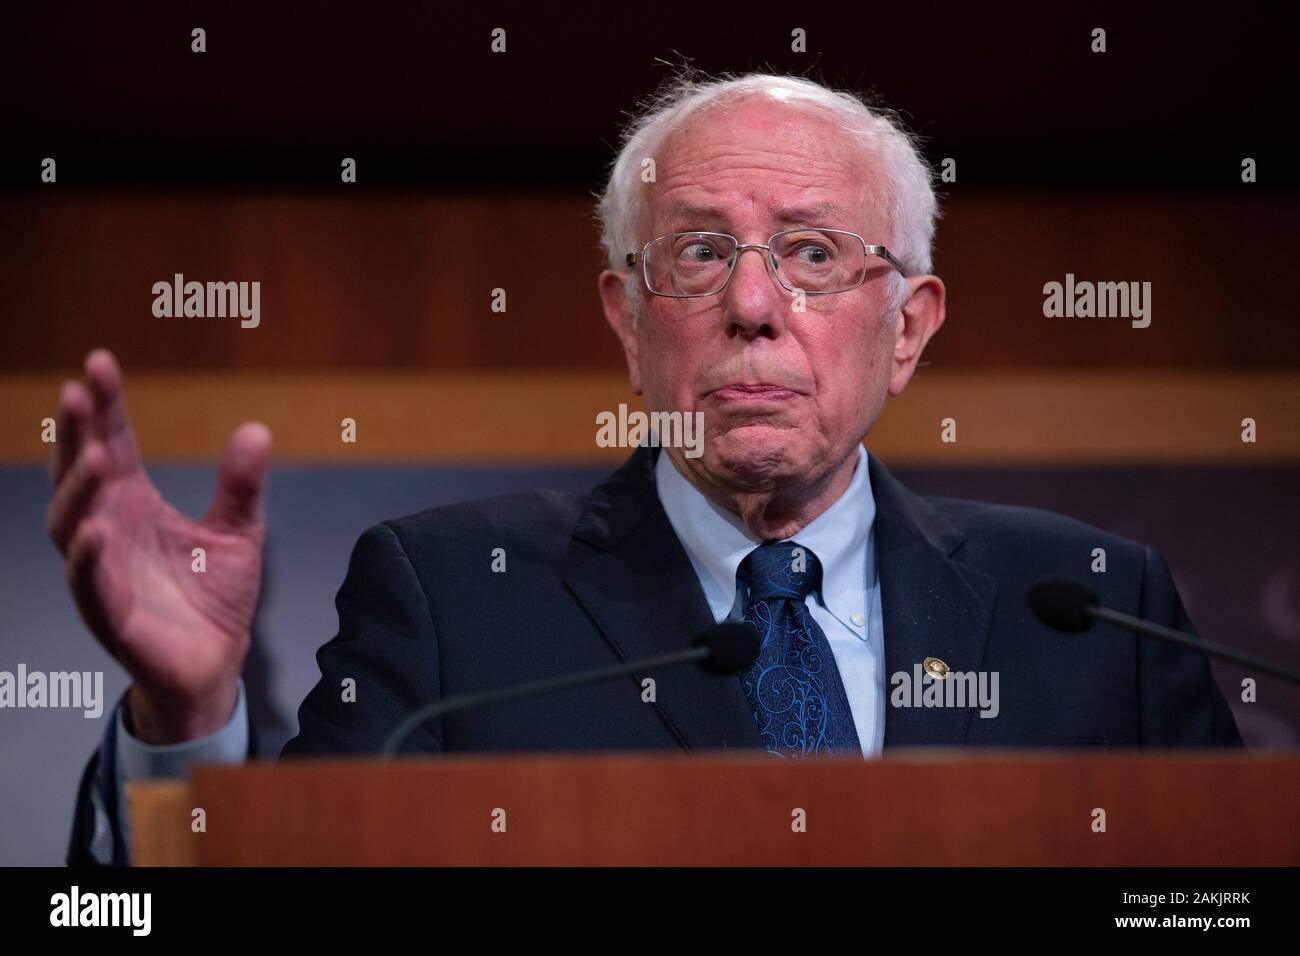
(178, 621)
(167, 623)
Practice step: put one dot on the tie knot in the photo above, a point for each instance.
(781, 569)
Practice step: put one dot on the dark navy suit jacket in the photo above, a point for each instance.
(593, 580)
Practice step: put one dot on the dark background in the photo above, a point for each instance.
(1177, 99)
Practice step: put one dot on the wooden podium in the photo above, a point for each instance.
(925, 808)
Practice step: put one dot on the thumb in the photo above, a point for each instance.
(237, 502)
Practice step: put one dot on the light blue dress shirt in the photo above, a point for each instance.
(847, 608)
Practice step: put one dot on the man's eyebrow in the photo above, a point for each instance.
(689, 211)
(823, 214)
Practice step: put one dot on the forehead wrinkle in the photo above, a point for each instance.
(794, 195)
(780, 212)
(704, 170)
(693, 216)
(783, 143)
(801, 170)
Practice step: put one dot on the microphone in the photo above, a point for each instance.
(725, 648)
(1064, 604)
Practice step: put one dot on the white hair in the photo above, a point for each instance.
(908, 199)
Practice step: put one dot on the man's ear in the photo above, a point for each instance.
(619, 314)
(919, 317)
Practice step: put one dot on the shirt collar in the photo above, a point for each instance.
(717, 541)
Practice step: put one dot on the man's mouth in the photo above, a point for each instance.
(753, 393)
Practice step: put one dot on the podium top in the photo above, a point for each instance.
(919, 808)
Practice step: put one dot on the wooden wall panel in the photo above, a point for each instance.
(1032, 418)
(389, 279)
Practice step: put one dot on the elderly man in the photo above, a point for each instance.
(769, 267)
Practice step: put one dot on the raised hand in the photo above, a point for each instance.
(181, 634)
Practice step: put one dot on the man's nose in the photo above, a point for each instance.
(754, 301)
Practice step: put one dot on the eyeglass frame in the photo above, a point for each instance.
(871, 249)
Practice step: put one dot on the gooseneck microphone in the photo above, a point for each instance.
(1064, 604)
(725, 648)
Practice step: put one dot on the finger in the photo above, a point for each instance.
(75, 406)
(237, 502)
(110, 421)
(73, 497)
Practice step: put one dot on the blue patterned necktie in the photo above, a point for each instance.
(794, 687)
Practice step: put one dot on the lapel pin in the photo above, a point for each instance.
(935, 668)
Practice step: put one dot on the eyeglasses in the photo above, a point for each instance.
(812, 261)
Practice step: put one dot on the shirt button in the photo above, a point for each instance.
(857, 618)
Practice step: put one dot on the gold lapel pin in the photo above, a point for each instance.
(935, 668)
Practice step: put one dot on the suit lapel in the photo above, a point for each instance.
(629, 571)
(627, 568)
(933, 606)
